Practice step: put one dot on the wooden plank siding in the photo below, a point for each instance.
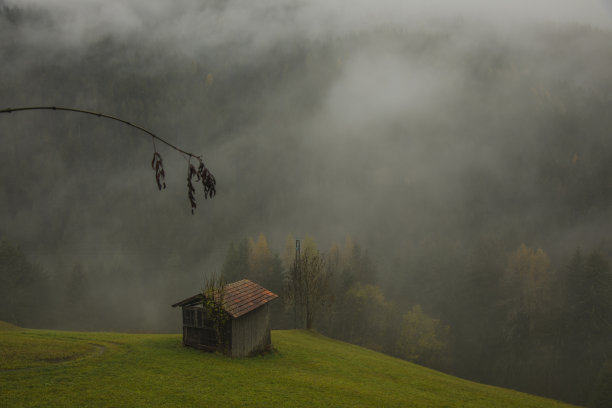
(251, 333)
(200, 338)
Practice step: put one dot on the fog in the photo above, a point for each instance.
(384, 120)
(422, 129)
(199, 23)
(370, 137)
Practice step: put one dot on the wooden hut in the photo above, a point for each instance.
(247, 329)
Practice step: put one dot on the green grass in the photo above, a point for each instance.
(4, 326)
(26, 350)
(87, 369)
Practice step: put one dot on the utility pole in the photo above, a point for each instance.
(295, 280)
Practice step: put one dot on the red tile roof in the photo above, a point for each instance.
(243, 296)
(239, 298)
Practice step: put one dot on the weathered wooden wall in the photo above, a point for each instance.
(200, 338)
(199, 331)
(251, 332)
(246, 335)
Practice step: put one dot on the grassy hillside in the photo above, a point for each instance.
(54, 368)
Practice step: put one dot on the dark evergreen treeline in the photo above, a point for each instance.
(505, 141)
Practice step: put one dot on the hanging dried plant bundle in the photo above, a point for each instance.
(203, 175)
(191, 173)
(208, 180)
(160, 174)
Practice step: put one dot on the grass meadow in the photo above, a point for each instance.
(45, 368)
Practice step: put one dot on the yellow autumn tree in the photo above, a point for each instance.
(309, 246)
(260, 259)
(307, 286)
(423, 339)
